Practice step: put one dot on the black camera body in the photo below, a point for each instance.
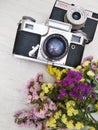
(81, 19)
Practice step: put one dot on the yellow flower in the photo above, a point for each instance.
(64, 119)
(78, 67)
(92, 128)
(64, 70)
(83, 70)
(57, 115)
(50, 70)
(50, 86)
(76, 112)
(82, 80)
(41, 95)
(51, 122)
(71, 111)
(54, 71)
(74, 69)
(79, 125)
(59, 73)
(70, 124)
(96, 105)
(90, 73)
(69, 104)
(45, 88)
(86, 63)
(70, 108)
(61, 105)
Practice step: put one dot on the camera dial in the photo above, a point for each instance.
(77, 16)
(28, 18)
(55, 47)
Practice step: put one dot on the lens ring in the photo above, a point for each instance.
(76, 15)
(82, 15)
(55, 47)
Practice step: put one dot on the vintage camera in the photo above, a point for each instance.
(82, 20)
(51, 43)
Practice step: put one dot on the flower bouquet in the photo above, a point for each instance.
(68, 103)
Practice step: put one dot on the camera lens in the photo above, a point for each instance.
(55, 46)
(76, 15)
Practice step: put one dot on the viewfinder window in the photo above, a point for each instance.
(75, 38)
(29, 26)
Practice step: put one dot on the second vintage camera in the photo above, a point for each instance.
(82, 20)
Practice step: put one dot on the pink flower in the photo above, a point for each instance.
(40, 113)
(32, 88)
(39, 78)
(96, 76)
(26, 90)
(29, 82)
(39, 125)
(35, 95)
(36, 86)
(21, 114)
(52, 105)
(94, 66)
(32, 97)
(89, 58)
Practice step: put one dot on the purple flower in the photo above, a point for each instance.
(71, 78)
(88, 108)
(75, 95)
(81, 90)
(94, 95)
(62, 93)
(74, 75)
(93, 85)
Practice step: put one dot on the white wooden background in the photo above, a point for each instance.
(15, 72)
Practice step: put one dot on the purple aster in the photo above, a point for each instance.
(88, 90)
(93, 85)
(94, 95)
(62, 93)
(76, 75)
(81, 90)
(75, 95)
(88, 108)
(71, 78)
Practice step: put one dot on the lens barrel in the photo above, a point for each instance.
(76, 16)
(55, 47)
